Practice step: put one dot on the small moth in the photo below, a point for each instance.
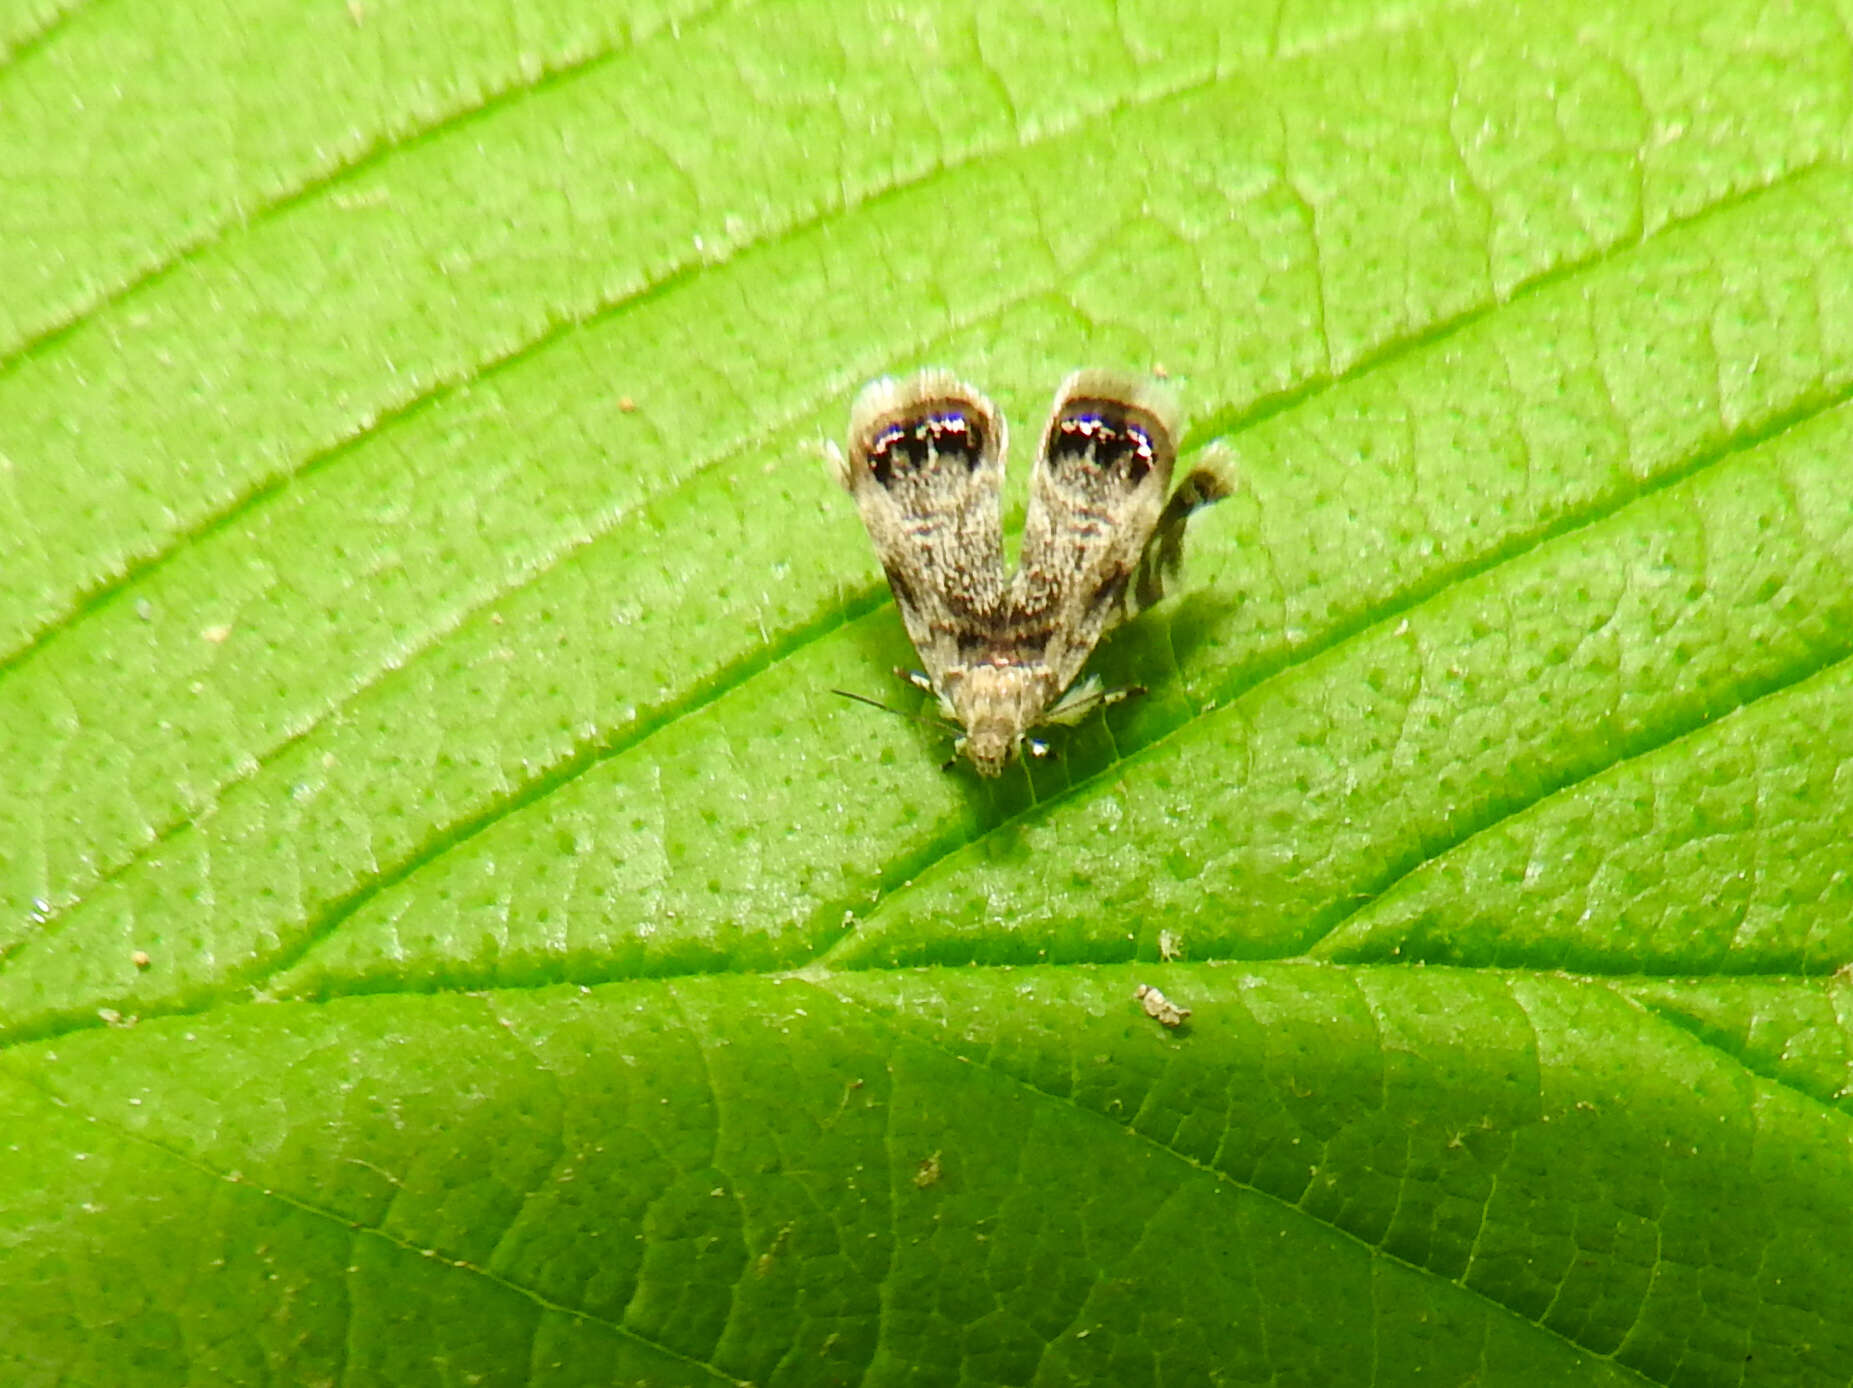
(1160, 1008)
(925, 463)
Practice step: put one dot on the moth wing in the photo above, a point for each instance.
(1099, 488)
(925, 464)
(1164, 552)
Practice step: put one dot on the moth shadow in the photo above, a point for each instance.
(1196, 621)
(1153, 652)
(1158, 648)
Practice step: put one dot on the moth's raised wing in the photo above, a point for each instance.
(925, 463)
(1164, 552)
(1099, 488)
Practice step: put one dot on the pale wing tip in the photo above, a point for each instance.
(886, 396)
(836, 462)
(1211, 478)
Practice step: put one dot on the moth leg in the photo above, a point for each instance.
(1164, 552)
(958, 751)
(919, 679)
(1084, 698)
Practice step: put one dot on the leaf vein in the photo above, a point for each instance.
(34, 41)
(1093, 1116)
(904, 876)
(185, 253)
(1698, 722)
(315, 1211)
(831, 209)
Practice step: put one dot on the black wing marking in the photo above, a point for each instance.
(1096, 497)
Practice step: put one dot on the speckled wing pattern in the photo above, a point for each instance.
(1102, 476)
(925, 465)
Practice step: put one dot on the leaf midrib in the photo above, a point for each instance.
(898, 878)
(902, 1039)
(721, 685)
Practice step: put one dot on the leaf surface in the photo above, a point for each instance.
(449, 931)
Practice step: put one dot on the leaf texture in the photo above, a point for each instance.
(448, 930)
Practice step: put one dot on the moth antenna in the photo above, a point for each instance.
(939, 723)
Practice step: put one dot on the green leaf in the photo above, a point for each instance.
(449, 931)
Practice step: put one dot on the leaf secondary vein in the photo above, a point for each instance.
(1672, 736)
(832, 209)
(183, 253)
(1214, 1174)
(315, 1211)
(903, 877)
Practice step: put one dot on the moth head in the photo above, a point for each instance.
(996, 703)
(991, 749)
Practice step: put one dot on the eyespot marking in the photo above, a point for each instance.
(909, 445)
(1102, 440)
